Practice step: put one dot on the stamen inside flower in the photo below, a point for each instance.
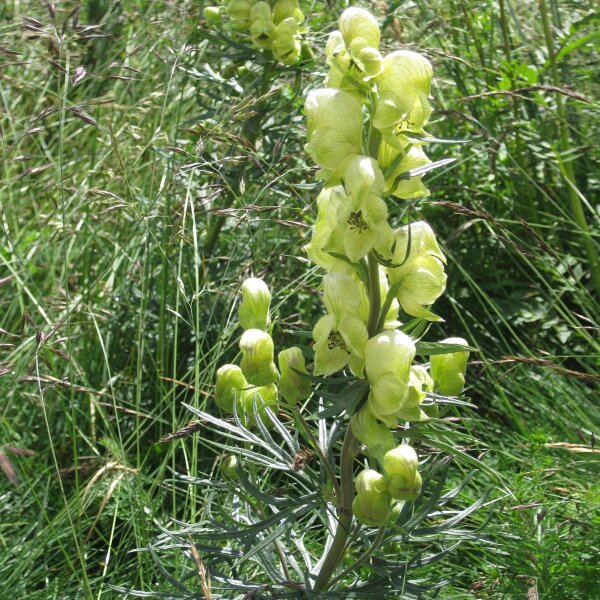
(335, 340)
(356, 222)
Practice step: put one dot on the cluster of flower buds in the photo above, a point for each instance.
(366, 133)
(271, 25)
(376, 491)
(257, 383)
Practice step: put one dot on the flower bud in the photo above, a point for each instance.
(400, 466)
(230, 383)
(229, 466)
(257, 357)
(292, 385)
(374, 435)
(263, 396)
(254, 309)
(212, 14)
(371, 505)
(448, 370)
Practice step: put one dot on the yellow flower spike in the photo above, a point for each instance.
(285, 44)
(400, 467)
(293, 386)
(419, 276)
(388, 357)
(394, 166)
(377, 438)
(359, 29)
(339, 341)
(254, 310)
(371, 505)
(285, 9)
(263, 396)
(334, 129)
(448, 370)
(403, 104)
(230, 385)
(257, 357)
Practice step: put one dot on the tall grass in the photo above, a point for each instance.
(122, 150)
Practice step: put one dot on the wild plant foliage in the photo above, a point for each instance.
(326, 524)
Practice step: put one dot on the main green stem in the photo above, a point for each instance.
(338, 547)
(336, 551)
(567, 166)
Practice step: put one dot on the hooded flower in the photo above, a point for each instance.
(334, 129)
(397, 165)
(257, 357)
(388, 357)
(292, 385)
(323, 242)
(353, 52)
(285, 43)
(403, 105)
(254, 309)
(286, 9)
(262, 28)
(363, 219)
(400, 467)
(377, 438)
(417, 269)
(239, 13)
(340, 336)
(371, 505)
(448, 370)
(352, 218)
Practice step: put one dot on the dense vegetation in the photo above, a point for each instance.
(150, 164)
